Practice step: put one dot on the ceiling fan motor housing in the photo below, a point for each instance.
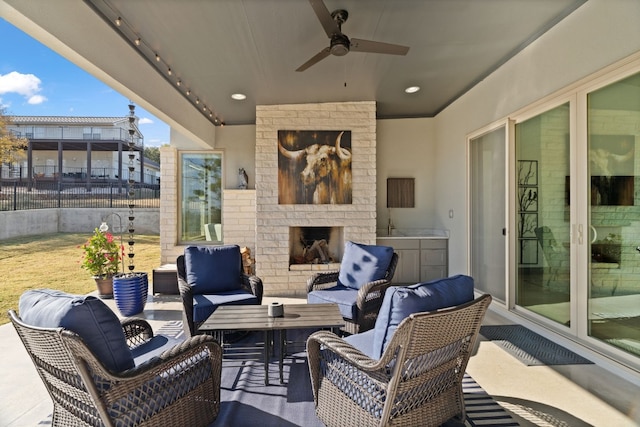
(339, 45)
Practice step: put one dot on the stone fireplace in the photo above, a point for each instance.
(315, 245)
(279, 228)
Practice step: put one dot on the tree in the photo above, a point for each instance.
(152, 153)
(11, 147)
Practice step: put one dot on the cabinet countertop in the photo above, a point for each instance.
(413, 234)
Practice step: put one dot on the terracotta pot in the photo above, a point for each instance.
(105, 286)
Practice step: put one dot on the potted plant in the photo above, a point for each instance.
(102, 255)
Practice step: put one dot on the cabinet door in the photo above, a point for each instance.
(408, 269)
(433, 257)
(431, 272)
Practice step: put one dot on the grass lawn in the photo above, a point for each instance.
(53, 261)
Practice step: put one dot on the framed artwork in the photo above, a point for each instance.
(528, 210)
(314, 167)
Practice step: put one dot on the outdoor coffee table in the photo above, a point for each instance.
(228, 318)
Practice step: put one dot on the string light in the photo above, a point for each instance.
(133, 37)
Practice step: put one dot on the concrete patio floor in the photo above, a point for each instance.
(566, 395)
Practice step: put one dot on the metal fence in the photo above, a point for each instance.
(18, 196)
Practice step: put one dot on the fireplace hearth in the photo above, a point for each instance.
(315, 245)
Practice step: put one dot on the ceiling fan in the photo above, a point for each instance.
(341, 44)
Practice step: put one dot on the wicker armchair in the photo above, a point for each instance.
(181, 386)
(417, 381)
(249, 289)
(368, 298)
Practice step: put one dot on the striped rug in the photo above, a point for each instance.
(246, 401)
(482, 410)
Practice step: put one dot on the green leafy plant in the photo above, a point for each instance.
(102, 254)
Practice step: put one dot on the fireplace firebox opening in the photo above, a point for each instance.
(315, 245)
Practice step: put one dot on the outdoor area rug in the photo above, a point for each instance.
(247, 401)
(529, 347)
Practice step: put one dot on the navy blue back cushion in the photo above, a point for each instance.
(401, 301)
(85, 315)
(363, 264)
(212, 269)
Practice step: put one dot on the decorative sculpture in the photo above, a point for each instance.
(243, 179)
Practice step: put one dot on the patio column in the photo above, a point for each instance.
(119, 167)
(30, 166)
(60, 149)
(88, 178)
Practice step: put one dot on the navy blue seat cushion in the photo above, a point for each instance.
(85, 315)
(401, 301)
(213, 269)
(363, 264)
(153, 348)
(204, 305)
(363, 341)
(343, 296)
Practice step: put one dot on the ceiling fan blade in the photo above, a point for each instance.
(329, 25)
(358, 45)
(317, 58)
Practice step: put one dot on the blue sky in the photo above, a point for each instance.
(36, 81)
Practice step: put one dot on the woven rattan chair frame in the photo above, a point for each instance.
(369, 298)
(249, 283)
(181, 387)
(416, 382)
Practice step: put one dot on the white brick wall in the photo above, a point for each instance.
(273, 220)
(254, 219)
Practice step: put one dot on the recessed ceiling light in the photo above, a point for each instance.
(412, 89)
(239, 96)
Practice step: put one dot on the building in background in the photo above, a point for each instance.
(83, 150)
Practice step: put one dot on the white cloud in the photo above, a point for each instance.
(26, 85)
(36, 99)
(145, 121)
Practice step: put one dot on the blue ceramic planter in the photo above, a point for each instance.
(130, 292)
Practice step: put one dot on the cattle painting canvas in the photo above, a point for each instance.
(314, 167)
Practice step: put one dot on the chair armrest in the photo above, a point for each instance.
(345, 367)
(186, 294)
(328, 341)
(159, 384)
(253, 284)
(179, 355)
(322, 280)
(136, 331)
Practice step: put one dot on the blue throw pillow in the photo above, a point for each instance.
(363, 264)
(212, 269)
(401, 301)
(85, 315)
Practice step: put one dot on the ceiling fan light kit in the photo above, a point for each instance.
(340, 44)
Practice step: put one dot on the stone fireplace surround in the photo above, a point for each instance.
(253, 218)
(273, 221)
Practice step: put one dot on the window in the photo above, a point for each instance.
(201, 197)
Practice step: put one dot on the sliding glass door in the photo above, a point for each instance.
(488, 258)
(542, 178)
(613, 118)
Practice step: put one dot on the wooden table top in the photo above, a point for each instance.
(255, 318)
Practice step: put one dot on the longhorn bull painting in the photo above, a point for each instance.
(314, 167)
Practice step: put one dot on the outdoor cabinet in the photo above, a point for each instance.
(420, 260)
